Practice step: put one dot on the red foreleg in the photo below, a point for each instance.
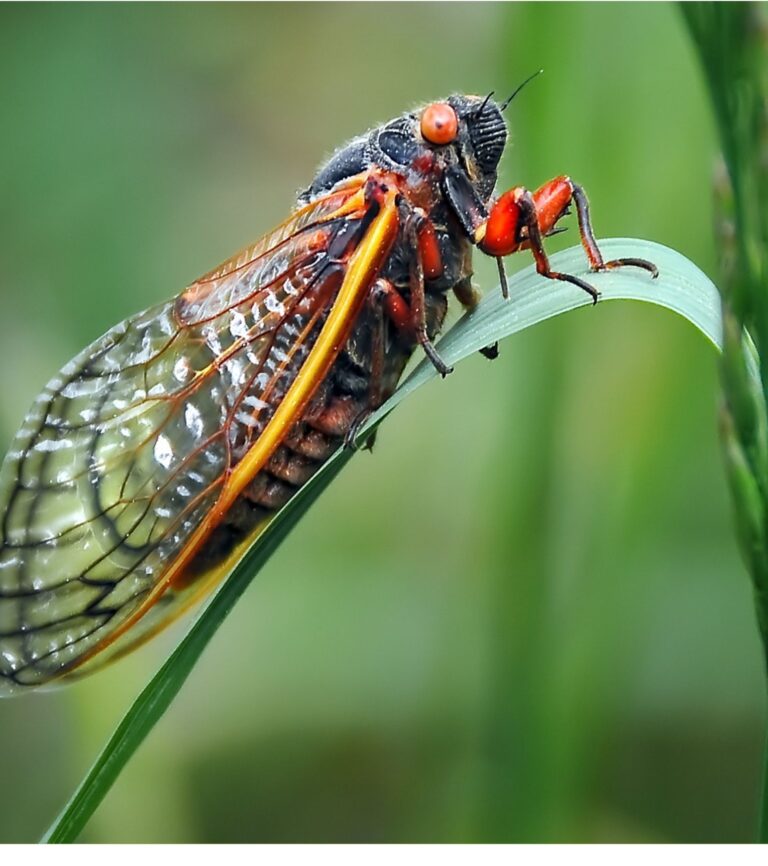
(519, 219)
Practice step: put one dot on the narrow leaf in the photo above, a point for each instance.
(681, 287)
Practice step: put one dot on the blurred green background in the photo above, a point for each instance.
(524, 617)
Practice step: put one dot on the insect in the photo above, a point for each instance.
(151, 462)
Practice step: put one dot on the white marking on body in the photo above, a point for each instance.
(236, 370)
(273, 305)
(255, 402)
(163, 451)
(238, 327)
(212, 340)
(246, 418)
(144, 353)
(181, 370)
(111, 365)
(166, 325)
(273, 270)
(76, 388)
(194, 420)
(52, 445)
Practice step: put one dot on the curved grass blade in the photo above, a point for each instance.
(681, 287)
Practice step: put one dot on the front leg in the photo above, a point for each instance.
(520, 219)
(527, 228)
(552, 201)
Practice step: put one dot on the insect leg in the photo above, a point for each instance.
(380, 291)
(552, 201)
(467, 294)
(469, 297)
(411, 317)
(514, 223)
(529, 220)
(472, 215)
(418, 300)
(590, 244)
(378, 347)
(429, 250)
(520, 219)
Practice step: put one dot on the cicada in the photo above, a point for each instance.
(153, 460)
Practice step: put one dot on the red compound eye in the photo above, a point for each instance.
(439, 124)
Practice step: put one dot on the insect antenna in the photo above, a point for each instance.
(485, 102)
(503, 106)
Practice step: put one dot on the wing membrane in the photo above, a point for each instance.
(127, 451)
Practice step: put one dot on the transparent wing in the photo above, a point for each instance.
(127, 449)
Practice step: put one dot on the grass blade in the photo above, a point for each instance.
(681, 287)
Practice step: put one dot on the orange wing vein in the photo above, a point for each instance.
(134, 454)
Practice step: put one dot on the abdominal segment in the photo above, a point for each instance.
(305, 450)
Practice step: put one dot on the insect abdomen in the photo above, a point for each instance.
(339, 402)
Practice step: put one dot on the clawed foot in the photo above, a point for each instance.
(350, 437)
(633, 263)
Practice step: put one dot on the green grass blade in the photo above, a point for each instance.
(681, 287)
(730, 41)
